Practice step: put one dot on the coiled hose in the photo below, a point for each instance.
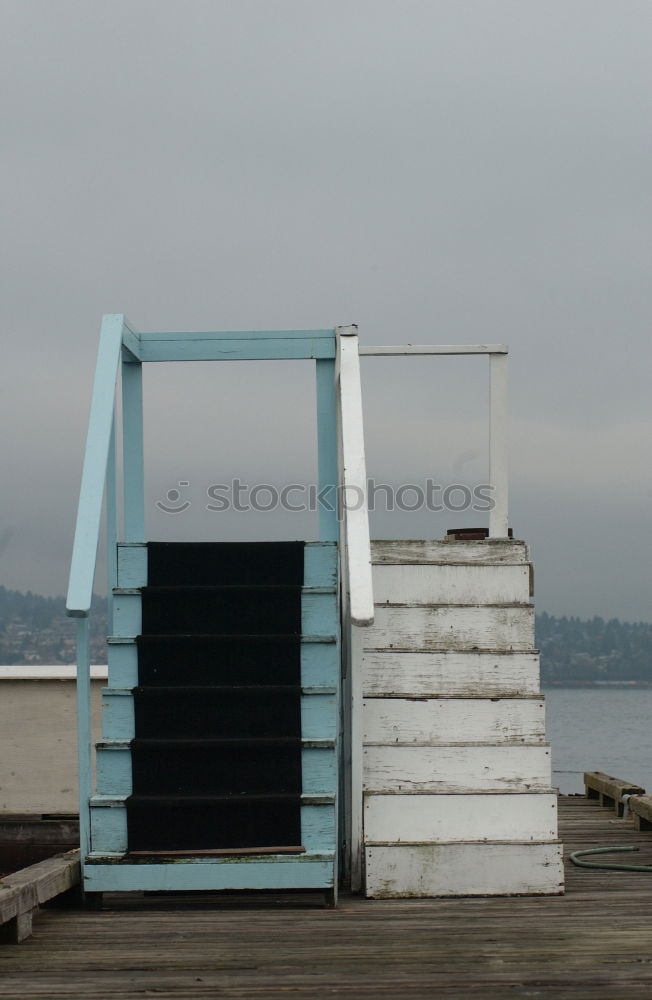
(610, 866)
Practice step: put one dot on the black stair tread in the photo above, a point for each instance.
(210, 659)
(218, 741)
(218, 711)
(217, 688)
(228, 562)
(223, 587)
(202, 610)
(220, 852)
(139, 798)
(200, 822)
(210, 767)
(272, 638)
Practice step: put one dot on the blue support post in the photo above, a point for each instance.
(111, 530)
(132, 452)
(327, 450)
(84, 734)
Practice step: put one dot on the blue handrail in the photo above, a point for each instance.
(91, 494)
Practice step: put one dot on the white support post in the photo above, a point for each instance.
(356, 802)
(358, 603)
(498, 462)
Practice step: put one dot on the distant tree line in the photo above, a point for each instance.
(573, 651)
(35, 611)
(36, 629)
(598, 650)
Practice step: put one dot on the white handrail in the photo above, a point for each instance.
(91, 493)
(498, 449)
(353, 480)
(381, 350)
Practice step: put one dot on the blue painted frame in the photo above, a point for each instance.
(123, 350)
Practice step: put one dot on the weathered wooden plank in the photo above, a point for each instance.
(492, 551)
(591, 944)
(22, 892)
(464, 870)
(609, 790)
(221, 349)
(209, 336)
(641, 808)
(445, 584)
(458, 628)
(132, 564)
(123, 664)
(449, 673)
(127, 614)
(453, 720)
(319, 614)
(237, 872)
(427, 819)
(456, 769)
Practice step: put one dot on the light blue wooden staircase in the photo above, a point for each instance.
(201, 785)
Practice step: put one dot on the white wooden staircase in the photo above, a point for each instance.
(456, 770)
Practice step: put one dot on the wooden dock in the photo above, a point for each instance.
(596, 941)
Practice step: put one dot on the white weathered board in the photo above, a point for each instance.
(464, 870)
(458, 628)
(449, 673)
(456, 769)
(417, 550)
(428, 819)
(453, 720)
(463, 584)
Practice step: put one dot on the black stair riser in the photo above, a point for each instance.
(190, 659)
(212, 563)
(212, 825)
(202, 712)
(180, 769)
(221, 610)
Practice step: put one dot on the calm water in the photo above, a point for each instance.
(598, 730)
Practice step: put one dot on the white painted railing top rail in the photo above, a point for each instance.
(498, 464)
(353, 480)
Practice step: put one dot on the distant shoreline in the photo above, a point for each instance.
(595, 685)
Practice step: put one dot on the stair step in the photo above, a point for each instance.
(225, 563)
(219, 766)
(490, 551)
(476, 868)
(218, 659)
(167, 823)
(265, 710)
(120, 744)
(233, 610)
(110, 871)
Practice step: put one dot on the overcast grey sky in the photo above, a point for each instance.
(458, 171)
